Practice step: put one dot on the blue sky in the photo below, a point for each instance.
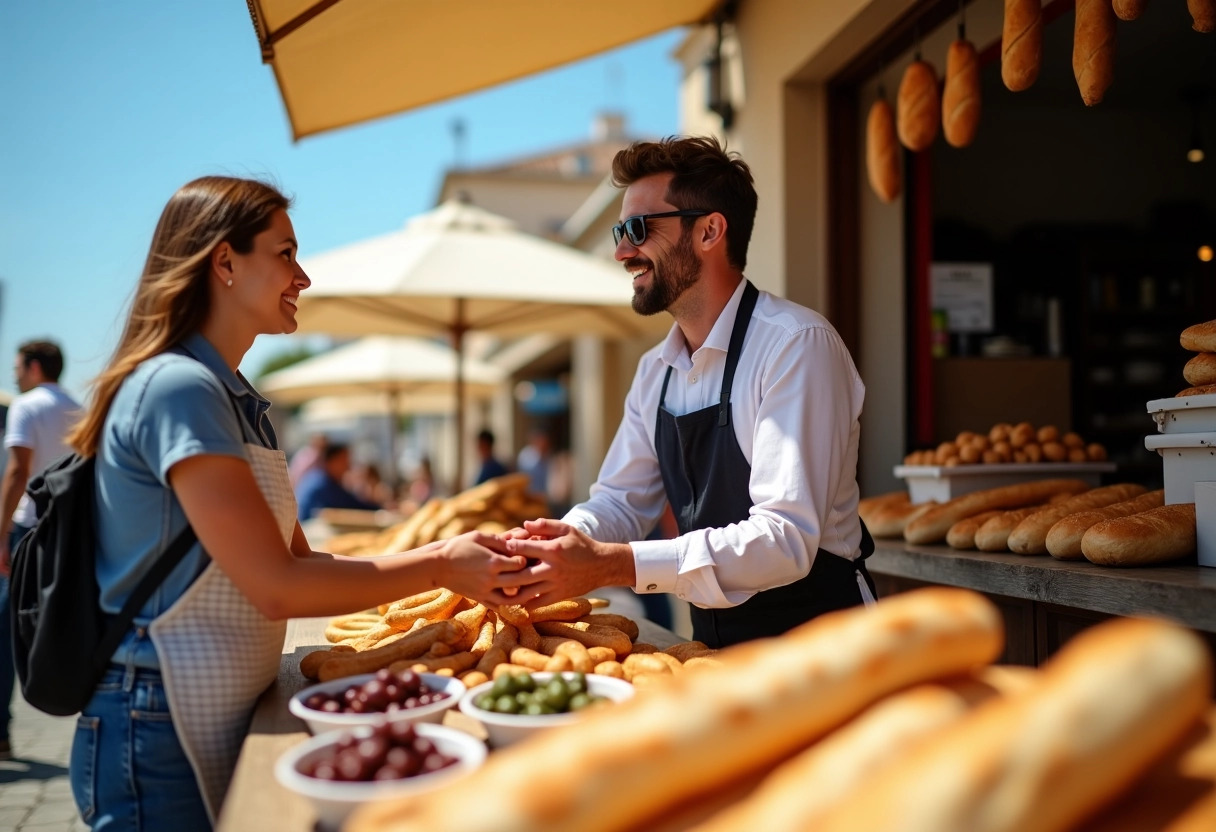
(108, 106)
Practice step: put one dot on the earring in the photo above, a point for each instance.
(230, 281)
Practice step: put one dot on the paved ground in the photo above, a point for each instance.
(34, 791)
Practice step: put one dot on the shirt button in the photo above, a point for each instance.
(652, 587)
(682, 598)
(692, 379)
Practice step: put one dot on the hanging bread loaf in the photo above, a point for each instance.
(1021, 43)
(1105, 708)
(919, 107)
(882, 151)
(1093, 49)
(1128, 9)
(1201, 369)
(932, 526)
(1199, 337)
(1203, 12)
(1030, 536)
(1158, 535)
(1064, 538)
(961, 95)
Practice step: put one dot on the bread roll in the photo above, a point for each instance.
(918, 106)
(1158, 535)
(1203, 390)
(961, 95)
(1201, 370)
(1200, 337)
(891, 520)
(1109, 704)
(1128, 9)
(700, 731)
(1093, 49)
(882, 151)
(1064, 538)
(1203, 12)
(1021, 43)
(1030, 536)
(993, 535)
(962, 533)
(932, 526)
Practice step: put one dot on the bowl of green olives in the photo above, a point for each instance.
(514, 706)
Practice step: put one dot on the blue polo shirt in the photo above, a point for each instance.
(174, 406)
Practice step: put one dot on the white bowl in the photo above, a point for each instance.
(335, 800)
(504, 729)
(319, 721)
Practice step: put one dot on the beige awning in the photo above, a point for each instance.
(341, 62)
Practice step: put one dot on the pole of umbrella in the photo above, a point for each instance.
(394, 420)
(458, 330)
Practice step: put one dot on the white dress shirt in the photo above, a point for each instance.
(795, 405)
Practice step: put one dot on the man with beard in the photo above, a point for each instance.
(745, 420)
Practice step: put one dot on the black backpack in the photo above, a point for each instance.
(62, 641)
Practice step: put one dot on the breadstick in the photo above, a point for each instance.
(414, 644)
(1093, 49)
(1115, 698)
(1021, 43)
(1064, 538)
(526, 657)
(686, 650)
(590, 635)
(685, 737)
(962, 533)
(570, 610)
(623, 623)
(1154, 536)
(1030, 536)
(456, 663)
(933, 525)
(310, 665)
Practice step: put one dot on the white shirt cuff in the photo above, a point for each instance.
(657, 565)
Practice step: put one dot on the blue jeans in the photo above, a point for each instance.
(8, 672)
(128, 770)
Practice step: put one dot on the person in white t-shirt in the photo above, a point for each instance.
(38, 421)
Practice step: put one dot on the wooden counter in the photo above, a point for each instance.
(1045, 601)
(255, 799)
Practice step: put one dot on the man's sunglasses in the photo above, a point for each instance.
(635, 227)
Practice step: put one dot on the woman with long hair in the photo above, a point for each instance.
(181, 437)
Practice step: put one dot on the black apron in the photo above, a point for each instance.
(706, 476)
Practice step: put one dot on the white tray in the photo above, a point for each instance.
(942, 483)
(1187, 458)
(1184, 414)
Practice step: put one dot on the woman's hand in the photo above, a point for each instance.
(477, 565)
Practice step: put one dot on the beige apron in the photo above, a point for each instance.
(218, 653)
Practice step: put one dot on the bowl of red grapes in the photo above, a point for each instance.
(340, 770)
(404, 695)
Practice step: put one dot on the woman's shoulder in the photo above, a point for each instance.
(167, 383)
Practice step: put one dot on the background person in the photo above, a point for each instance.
(38, 421)
(322, 487)
(181, 437)
(744, 420)
(491, 467)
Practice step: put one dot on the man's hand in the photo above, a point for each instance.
(568, 563)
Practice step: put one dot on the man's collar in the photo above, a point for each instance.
(676, 344)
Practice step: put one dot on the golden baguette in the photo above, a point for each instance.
(867, 505)
(1030, 536)
(697, 732)
(962, 533)
(993, 536)
(931, 527)
(1064, 538)
(1109, 704)
(891, 520)
(1154, 536)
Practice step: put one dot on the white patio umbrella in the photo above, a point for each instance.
(399, 370)
(459, 268)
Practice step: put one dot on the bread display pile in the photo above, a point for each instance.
(881, 718)
(1200, 371)
(493, 507)
(445, 633)
(1006, 442)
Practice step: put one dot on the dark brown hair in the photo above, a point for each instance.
(173, 296)
(46, 353)
(706, 177)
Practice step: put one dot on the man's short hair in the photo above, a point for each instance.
(46, 353)
(705, 177)
(334, 449)
(485, 435)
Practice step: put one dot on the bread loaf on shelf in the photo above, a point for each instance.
(1201, 370)
(1199, 337)
(932, 526)
(891, 520)
(1158, 535)
(1064, 537)
(1202, 390)
(961, 95)
(993, 536)
(1093, 49)
(1030, 536)
(1021, 43)
(962, 533)
(918, 107)
(882, 151)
